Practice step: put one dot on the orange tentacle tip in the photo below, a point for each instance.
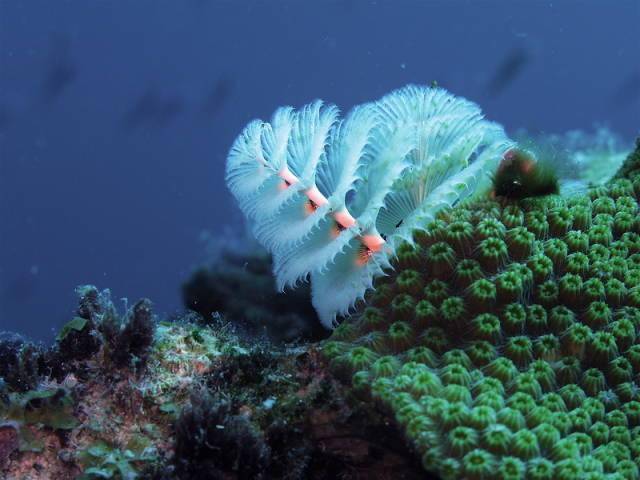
(344, 218)
(373, 242)
(315, 197)
(288, 177)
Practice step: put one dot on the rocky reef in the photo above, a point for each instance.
(503, 344)
(127, 397)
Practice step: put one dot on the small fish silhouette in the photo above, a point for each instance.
(508, 70)
(61, 72)
(153, 109)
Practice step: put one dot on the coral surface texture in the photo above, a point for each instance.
(504, 342)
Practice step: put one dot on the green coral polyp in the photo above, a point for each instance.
(554, 402)
(623, 222)
(456, 356)
(467, 271)
(462, 440)
(409, 281)
(526, 383)
(604, 205)
(568, 371)
(481, 416)
(544, 374)
(436, 291)
(560, 319)
(547, 435)
(581, 216)
(537, 224)
(509, 287)
(513, 318)
(358, 358)
(401, 336)
(580, 420)
(541, 266)
(540, 469)
(603, 219)
(600, 234)
(478, 464)
(459, 235)
(521, 401)
(632, 239)
(525, 445)
(496, 439)
(372, 319)
(572, 395)
(619, 249)
(386, 366)
(435, 339)
(422, 355)
(595, 408)
(512, 216)
(557, 251)
(619, 371)
(513, 419)
(577, 263)
(454, 414)
(503, 369)
(440, 260)
(539, 415)
(455, 374)
(547, 348)
(560, 221)
(511, 468)
(603, 348)
(491, 399)
(490, 228)
(570, 289)
(425, 383)
(547, 294)
(593, 289)
(481, 352)
(453, 312)
(408, 256)
(487, 327)
(492, 253)
(520, 243)
(376, 341)
(402, 306)
(481, 295)
(598, 315)
(536, 321)
(455, 393)
(519, 349)
(577, 241)
(593, 381)
(615, 292)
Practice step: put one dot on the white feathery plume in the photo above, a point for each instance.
(332, 199)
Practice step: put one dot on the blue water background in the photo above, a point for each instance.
(116, 116)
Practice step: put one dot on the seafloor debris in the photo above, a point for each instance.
(202, 405)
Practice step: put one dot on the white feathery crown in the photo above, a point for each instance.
(331, 199)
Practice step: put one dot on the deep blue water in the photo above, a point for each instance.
(116, 117)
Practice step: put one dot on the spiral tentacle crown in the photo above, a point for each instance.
(333, 198)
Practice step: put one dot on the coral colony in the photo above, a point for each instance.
(501, 334)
